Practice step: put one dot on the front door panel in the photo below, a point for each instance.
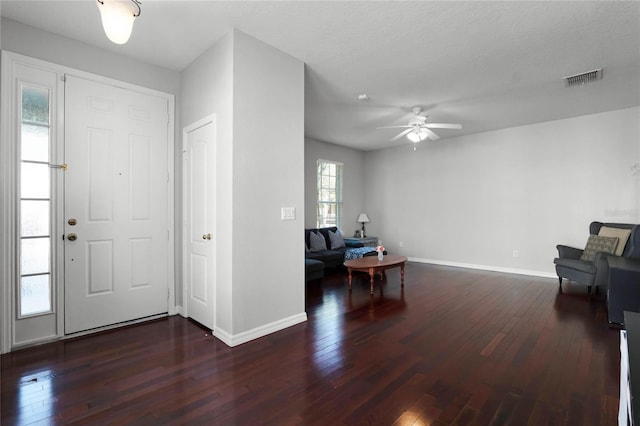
(116, 205)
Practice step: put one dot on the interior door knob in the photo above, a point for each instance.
(72, 237)
(206, 236)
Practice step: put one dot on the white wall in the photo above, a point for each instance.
(353, 182)
(475, 199)
(257, 94)
(207, 87)
(36, 43)
(268, 161)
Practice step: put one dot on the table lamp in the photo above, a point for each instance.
(363, 218)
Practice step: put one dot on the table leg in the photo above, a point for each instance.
(402, 275)
(350, 278)
(372, 273)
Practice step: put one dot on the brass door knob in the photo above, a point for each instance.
(206, 237)
(72, 237)
(72, 221)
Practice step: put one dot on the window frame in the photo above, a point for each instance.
(16, 331)
(20, 161)
(336, 190)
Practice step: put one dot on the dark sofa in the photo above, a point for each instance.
(331, 257)
(623, 291)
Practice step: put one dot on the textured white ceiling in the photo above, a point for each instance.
(487, 65)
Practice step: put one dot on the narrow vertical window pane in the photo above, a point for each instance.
(35, 105)
(35, 294)
(35, 204)
(329, 181)
(35, 180)
(34, 256)
(34, 218)
(35, 143)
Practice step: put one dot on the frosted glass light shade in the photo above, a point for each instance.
(417, 135)
(117, 19)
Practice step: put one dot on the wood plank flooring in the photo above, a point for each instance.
(455, 346)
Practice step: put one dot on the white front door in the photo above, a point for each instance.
(116, 205)
(199, 218)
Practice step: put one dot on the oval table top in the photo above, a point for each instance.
(372, 261)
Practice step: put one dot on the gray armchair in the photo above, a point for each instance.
(596, 273)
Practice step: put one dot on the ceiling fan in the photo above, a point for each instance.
(418, 129)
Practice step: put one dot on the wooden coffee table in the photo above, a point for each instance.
(372, 265)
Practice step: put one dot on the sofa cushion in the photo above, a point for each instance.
(325, 233)
(597, 244)
(336, 240)
(317, 242)
(314, 255)
(330, 258)
(314, 269)
(621, 234)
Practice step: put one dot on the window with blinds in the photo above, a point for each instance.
(329, 207)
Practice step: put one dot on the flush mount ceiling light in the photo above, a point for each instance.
(117, 18)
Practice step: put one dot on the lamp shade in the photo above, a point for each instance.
(363, 218)
(117, 19)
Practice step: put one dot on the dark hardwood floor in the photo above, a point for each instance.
(455, 347)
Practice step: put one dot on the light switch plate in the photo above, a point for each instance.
(288, 213)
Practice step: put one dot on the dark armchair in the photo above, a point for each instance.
(596, 272)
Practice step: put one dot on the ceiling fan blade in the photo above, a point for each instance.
(401, 134)
(394, 127)
(432, 135)
(444, 126)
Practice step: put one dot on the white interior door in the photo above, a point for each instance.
(199, 217)
(116, 205)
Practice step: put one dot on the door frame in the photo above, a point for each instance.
(8, 195)
(211, 118)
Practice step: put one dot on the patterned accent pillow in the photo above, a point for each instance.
(317, 241)
(336, 240)
(596, 244)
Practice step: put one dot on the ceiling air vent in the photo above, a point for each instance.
(585, 77)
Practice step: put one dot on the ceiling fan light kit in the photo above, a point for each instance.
(417, 135)
(117, 18)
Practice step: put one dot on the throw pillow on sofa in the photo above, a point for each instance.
(336, 240)
(596, 244)
(621, 234)
(317, 242)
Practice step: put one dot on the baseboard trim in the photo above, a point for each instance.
(485, 267)
(36, 342)
(246, 336)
